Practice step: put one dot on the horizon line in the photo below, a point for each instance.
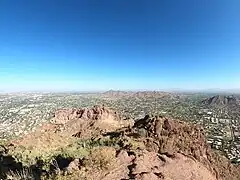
(170, 90)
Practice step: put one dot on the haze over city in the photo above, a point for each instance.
(123, 45)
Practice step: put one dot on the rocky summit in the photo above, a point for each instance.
(97, 144)
(97, 112)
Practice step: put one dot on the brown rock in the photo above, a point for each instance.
(147, 176)
(147, 162)
(124, 157)
(62, 116)
(173, 137)
(73, 166)
(172, 150)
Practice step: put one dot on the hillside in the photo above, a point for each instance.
(221, 100)
(97, 144)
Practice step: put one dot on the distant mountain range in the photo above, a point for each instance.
(222, 100)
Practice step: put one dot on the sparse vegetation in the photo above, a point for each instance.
(99, 151)
(24, 174)
(101, 158)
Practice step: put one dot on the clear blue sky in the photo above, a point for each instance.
(119, 44)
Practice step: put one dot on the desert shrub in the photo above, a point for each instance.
(134, 144)
(25, 156)
(24, 174)
(30, 157)
(74, 176)
(99, 152)
(73, 151)
(101, 157)
(105, 141)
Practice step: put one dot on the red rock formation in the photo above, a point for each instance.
(62, 116)
(171, 137)
(170, 149)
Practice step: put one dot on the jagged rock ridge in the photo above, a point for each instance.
(171, 137)
(154, 147)
(62, 116)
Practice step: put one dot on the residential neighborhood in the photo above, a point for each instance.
(22, 113)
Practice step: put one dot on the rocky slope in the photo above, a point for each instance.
(96, 144)
(172, 137)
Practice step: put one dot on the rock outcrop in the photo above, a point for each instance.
(150, 165)
(174, 138)
(81, 123)
(62, 116)
(155, 147)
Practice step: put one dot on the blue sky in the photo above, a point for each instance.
(120, 44)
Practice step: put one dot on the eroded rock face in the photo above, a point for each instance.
(147, 162)
(62, 116)
(123, 157)
(73, 166)
(150, 165)
(170, 149)
(171, 137)
(80, 123)
(145, 165)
